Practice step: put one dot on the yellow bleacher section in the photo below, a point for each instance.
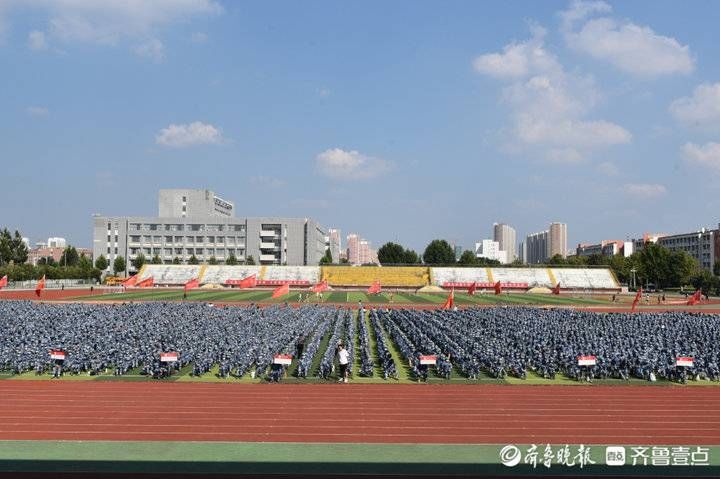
(553, 279)
(403, 276)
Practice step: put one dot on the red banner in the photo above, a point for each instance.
(586, 360)
(40, 286)
(131, 281)
(285, 359)
(428, 360)
(281, 291)
(468, 284)
(684, 361)
(695, 298)
(3, 282)
(192, 284)
(556, 289)
(57, 354)
(169, 357)
(146, 283)
(279, 282)
(498, 288)
(375, 288)
(472, 288)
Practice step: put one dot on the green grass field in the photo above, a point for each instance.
(348, 297)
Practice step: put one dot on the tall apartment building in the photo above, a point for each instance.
(201, 224)
(558, 240)
(334, 244)
(353, 248)
(506, 238)
(537, 246)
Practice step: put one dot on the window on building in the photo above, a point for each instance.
(168, 239)
(157, 239)
(116, 250)
(134, 239)
(108, 250)
(220, 240)
(190, 240)
(189, 251)
(179, 239)
(147, 238)
(108, 238)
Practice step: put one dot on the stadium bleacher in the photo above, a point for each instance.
(219, 274)
(294, 275)
(532, 277)
(445, 277)
(394, 276)
(170, 275)
(586, 278)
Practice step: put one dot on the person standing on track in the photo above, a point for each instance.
(343, 359)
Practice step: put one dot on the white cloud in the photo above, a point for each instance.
(152, 49)
(565, 156)
(644, 191)
(608, 168)
(198, 37)
(110, 22)
(36, 40)
(707, 155)
(548, 104)
(349, 165)
(632, 48)
(37, 111)
(702, 109)
(184, 135)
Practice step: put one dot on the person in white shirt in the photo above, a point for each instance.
(343, 359)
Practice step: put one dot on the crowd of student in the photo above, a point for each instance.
(117, 339)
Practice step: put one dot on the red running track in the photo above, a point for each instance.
(451, 414)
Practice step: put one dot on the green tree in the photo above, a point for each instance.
(680, 267)
(517, 262)
(119, 265)
(6, 253)
(410, 257)
(486, 262)
(193, 260)
(703, 279)
(19, 250)
(47, 261)
(391, 253)
(232, 260)
(156, 260)
(576, 260)
(70, 257)
(213, 260)
(84, 263)
(327, 257)
(468, 258)
(439, 252)
(557, 260)
(177, 260)
(344, 261)
(716, 268)
(653, 264)
(250, 260)
(139, 261)
(101, 263)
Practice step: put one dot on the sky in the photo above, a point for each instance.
(402, 121)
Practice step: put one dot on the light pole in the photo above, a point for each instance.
(633, 271)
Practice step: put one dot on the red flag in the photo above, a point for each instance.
(450, 302)
(498, 288)
(695, 298)
(320, 287)
(472, 288)
(3, 282)
(40, 286)
(192, 284)
(249, 282)
(556, 289)
(281, 291)
(635, 302)
(375, 288)
(146, 283)
(131, 281)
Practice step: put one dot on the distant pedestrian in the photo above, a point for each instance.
(343, 360)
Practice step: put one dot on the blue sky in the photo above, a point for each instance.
(402, 121)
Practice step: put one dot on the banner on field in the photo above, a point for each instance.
(587, 360)
(169, 357)
(684, 361)
(284, 359)
(428, 360)
(57, 354)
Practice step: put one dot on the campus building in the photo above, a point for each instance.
(490, 249)
(201, 224)
(703, 245)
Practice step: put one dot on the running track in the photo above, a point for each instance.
(450, 414)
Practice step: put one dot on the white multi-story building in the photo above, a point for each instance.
(56, 242)
(490, 249)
